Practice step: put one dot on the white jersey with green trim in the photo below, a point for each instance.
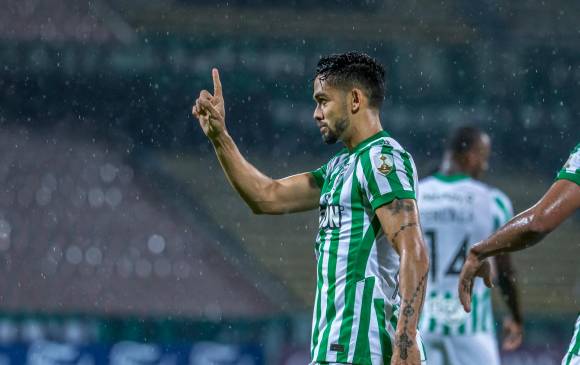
(456, 212)
(356, 305)
(571, 169)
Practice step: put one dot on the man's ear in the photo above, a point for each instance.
(356, 100)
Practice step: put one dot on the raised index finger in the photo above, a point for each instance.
(217, 84)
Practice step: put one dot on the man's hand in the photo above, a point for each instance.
(472, 268)
(210, 110)
(512, 334)
(406, 351)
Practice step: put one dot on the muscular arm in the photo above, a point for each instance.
(261, 193)
(531, 226)
(524, 230)
(400, 222)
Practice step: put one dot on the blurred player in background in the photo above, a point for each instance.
(369, 229)
(456, 210)
(526, 229)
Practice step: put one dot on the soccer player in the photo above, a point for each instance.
(372, 264)
(456, 210)
(526, 229)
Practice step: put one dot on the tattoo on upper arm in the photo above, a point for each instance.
(398, 206)
(404, 342)
(401, 229)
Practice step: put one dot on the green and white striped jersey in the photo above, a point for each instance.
(457, 211)
(356, 305)
(571, 169)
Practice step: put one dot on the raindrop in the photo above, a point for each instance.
(93, 256)
(156, 244)
(74, 255)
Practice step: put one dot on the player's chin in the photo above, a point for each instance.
(329, 138)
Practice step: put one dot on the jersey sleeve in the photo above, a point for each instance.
(386, 174)
(320, 175)
(501, 207)
(571, 169)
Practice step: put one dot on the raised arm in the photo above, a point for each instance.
(522, 231)
(400, 222)
(261, 193)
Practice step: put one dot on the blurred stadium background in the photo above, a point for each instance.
(121, 241)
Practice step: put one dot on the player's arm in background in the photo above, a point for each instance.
(261, 193)
(522, 231)
(512, 336)
(400, 222)
(512, 324)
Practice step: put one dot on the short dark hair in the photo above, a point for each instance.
(463, 138)
(354, 69)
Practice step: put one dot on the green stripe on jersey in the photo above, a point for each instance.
(386, 345)
(331, 274)
(319, 282)
(353, 271)
(503, 208)
(362, 349)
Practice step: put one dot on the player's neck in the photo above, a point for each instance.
(451, 167)
(362, 129)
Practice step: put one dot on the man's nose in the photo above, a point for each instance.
(318, 114)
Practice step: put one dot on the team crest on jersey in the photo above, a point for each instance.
(383, 163)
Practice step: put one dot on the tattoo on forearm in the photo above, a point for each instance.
(399, 206)
(404, 342)
(402, 228)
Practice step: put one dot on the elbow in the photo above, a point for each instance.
(261, 208)
(539, 225)
(257, 210)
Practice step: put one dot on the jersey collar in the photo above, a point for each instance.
(366, 142)
(451, 178)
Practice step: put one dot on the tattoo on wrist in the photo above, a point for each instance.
(404, 342)
(401, 229)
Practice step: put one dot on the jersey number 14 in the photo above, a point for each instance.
(456, 264)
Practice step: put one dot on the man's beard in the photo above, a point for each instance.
(331, 137)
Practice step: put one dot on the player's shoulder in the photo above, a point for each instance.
(493, 191)
(500, 200)
(385, 145)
